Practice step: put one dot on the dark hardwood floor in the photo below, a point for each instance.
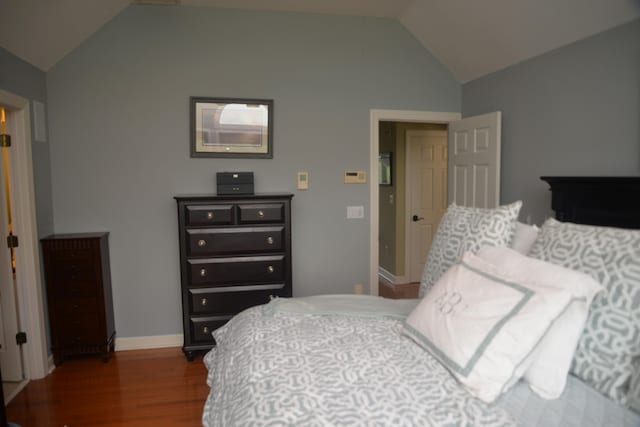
(135, 388)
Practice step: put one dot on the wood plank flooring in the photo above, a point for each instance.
(135, 388)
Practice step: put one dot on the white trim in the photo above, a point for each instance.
(387, 276)
(30, 298)
(376, 116)
(52, 366)
(14, 391)
(149, 342)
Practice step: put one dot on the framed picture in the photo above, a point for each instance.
(384, 169)
(229, 127)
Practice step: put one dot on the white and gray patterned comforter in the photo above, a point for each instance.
(274, 368)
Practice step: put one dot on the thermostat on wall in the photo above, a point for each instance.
(355, 177)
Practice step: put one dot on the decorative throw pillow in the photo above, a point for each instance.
(524, 237)
(482, 325)
(464, 229)
(634, 389)
(547, 370)
(611, 338)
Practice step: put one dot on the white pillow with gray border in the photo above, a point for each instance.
(482, 325)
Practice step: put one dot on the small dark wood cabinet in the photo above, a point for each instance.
(235, 252)
(80, 302)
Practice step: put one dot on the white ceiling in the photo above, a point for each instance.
(472, 38)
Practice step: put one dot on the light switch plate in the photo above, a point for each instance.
(303, 181)
(355, 212)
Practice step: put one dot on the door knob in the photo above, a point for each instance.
(416, 218)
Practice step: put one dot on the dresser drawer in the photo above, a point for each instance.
(261, 213)
(72, 285)
(202, 327)
(228, 271)
(77, 317)
(233, 299)
(220, 241)
(209, 214)
(78, 257)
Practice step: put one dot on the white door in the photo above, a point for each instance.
(10, 355)
(474, 161)
(427, 197)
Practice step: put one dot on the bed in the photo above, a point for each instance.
(344, 360)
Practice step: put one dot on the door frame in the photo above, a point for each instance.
(29, 283)
(375, 117)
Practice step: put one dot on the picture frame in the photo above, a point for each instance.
(231, 127)
(385, 169)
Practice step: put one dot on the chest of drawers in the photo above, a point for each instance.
(79, 298)
(235, 252)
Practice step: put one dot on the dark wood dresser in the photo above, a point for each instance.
(235, 252)
(78, 281)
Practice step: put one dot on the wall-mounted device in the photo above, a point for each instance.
(303, 181)
(355, 177)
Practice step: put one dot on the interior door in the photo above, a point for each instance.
(474, 161)
(10, 355)
(427, 198)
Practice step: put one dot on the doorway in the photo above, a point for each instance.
(416, 189)
(28, 289)
(473, 164)
(10, 349)
(376, 117)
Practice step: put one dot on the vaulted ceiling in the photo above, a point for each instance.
(471, 38)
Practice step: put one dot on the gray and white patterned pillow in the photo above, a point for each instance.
(465, 229)
(634, 389)
(611, 338)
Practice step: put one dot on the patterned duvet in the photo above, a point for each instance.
(275, 368)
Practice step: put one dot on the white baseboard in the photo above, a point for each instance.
(51, 366)
(390, 277)
(143, 343)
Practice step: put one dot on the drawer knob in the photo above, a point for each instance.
(205, 330)
(203, 272)
(209, 215)
(270, 240)
(260, 214)
(202, 242)
(270, 269)
(203, 301)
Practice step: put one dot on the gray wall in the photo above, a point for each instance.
(119, 129)
(573, 111)
(25, 80)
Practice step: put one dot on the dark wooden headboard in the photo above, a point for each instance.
(612, 201)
